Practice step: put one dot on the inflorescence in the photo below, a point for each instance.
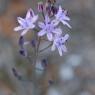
(49, 28)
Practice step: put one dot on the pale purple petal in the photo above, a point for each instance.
(53, 47)
(41, 33)
(41, 25)
(60, 10)
(60, 51)
(30, 13)
(66, 18)
(32, 26)
(21, 21)
(24, 32)
(49, 36)
(57, 31)
(47, 19)
(65, 38)
(66, 23)
(34, 19)
(19, 28)
(64, 49)
(55, 22)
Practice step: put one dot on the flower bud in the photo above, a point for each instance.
(33, 43)
(40, 6)
(44, 63)
(53, 9)
(51, 1)
(23, 52)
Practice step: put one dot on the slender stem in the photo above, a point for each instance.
(43, 15)
(45, 48)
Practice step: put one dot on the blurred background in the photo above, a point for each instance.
(71, 74)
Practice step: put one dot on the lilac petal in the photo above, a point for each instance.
(30, 13)
(34, 19)
(65, 23)
(60, 10)
(65, 38)
(60, 51)
(41, 33)
(47, 19)
(49, 36)
(57, 31)
(55, 22)
(18, 28)
(41, 25)
(32, 26)
(65, 12)
(64, 48)
(24, 32)
(53, 47)
(21, 21)
(66, 18)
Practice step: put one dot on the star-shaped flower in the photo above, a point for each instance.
(49, 28)
(61, 16)
(59, 43)
(27, 23)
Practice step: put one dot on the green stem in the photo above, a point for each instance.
(45, 48)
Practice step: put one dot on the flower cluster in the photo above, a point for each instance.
(50, 27)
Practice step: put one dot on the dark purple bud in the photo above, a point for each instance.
(23, 52)
(54, 9)
(40, 6)
(33, 43)
(51, 1)
(44, 63)
(21, 41)
(16, 74)
(48, 9)
(50, 82)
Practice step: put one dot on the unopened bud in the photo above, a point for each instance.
(53, 9)
(40, 6)
(51, 1)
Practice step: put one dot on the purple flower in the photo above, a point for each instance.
(61, 17)
(48, 28)
(27, 23)
(59, 43)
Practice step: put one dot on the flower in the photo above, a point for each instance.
(49, 28)
(27, 23)
(61, 17)
(59, 42)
